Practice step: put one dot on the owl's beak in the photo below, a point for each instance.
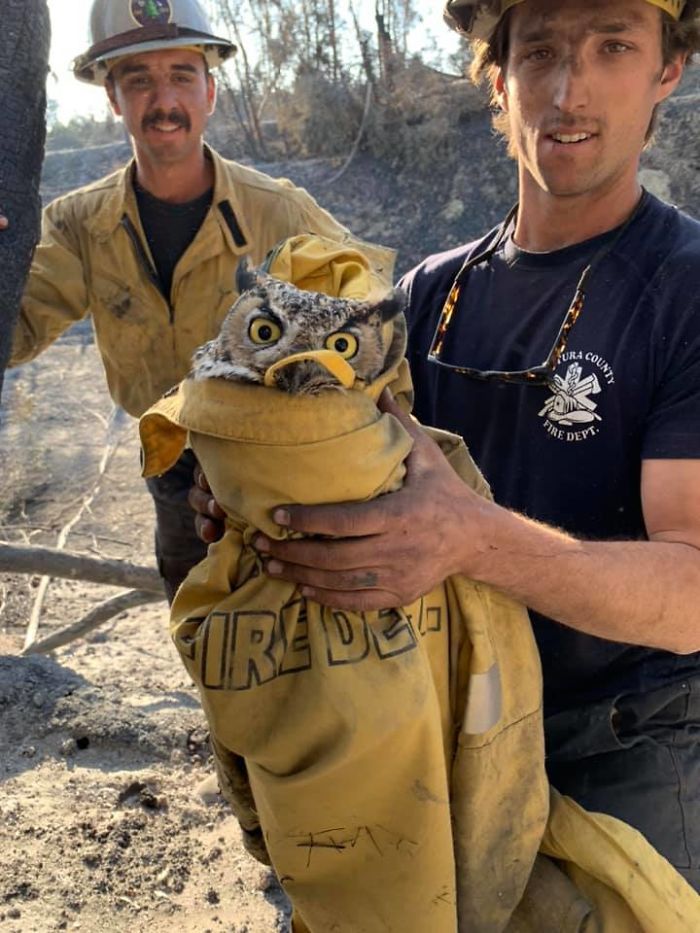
(328, 360)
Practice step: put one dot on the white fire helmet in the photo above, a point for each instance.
(476, 19)
(129, 27)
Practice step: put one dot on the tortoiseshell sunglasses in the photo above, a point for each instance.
(543, 373)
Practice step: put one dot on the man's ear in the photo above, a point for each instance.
(499, 90)
(671, 76)
(211, 94)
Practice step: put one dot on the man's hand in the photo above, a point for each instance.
(387, 552)
(4, 222)
(209, 516)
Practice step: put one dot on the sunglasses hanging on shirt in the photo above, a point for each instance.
(542, 373)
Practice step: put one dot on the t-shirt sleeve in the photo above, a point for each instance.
(673, 424)
(405, 283)
(426, 287)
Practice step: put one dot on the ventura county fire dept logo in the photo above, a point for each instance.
(570, 412)
(147, 12)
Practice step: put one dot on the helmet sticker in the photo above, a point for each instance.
(148, 12)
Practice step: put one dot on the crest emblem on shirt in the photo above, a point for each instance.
(570, 412)
(147, 12)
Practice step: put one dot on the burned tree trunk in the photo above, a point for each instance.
(24, 53)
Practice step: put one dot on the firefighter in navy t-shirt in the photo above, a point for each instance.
(565, 348)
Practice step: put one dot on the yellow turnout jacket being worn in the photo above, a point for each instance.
(389, 764)
(93, 259)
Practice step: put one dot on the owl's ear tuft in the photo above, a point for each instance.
(392, 305)
(246, 277)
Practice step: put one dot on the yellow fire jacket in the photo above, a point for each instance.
(352, 725)
(394, 760)
(93, 259)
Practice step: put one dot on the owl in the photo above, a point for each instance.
(272, 320)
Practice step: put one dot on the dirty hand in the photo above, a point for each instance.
(386, 552)
(209, 516)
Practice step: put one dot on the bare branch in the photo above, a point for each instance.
(96, 617)
(114, 425)
(356, 145)
(69, 566)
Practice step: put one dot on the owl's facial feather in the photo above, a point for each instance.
(273, 320)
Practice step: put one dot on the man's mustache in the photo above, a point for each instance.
(160, 116)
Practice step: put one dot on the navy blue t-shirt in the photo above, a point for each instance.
(627, 389)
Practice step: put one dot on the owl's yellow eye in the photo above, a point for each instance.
(343, 343)
(263, 330)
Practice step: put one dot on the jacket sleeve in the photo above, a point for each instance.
(55, 295)
(310, 217)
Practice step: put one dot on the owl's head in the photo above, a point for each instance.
(273, 320)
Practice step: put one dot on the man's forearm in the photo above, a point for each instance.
(640, 592)
(364, 556)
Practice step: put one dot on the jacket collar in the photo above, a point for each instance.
(226, 206)
(103, 222)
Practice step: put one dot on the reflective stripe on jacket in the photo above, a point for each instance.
(93, 259)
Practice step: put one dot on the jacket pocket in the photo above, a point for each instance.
(126, 322)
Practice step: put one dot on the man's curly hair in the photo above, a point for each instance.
(489, 56)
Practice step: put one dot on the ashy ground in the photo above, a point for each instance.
(102, 743)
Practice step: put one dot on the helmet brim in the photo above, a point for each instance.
(477, 19)
(95, 70)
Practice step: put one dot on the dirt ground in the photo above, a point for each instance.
(102, 743)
